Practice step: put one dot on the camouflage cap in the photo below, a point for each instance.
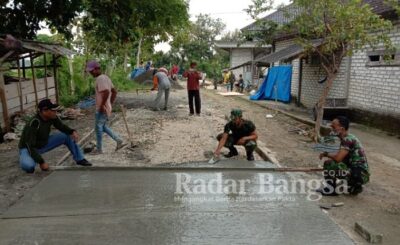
(236, 113)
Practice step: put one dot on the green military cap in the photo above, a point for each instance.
(236, 113)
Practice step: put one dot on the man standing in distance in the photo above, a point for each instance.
(193, 87)
(105, 97)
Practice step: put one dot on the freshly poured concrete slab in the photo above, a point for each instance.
(228, 163)
(221, 164)
(230, 206)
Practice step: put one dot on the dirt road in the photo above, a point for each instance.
(378, 206)
(174, 137)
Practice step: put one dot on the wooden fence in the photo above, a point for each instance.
(23, 96)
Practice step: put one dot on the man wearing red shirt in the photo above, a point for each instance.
(193, 87)
(174, 72)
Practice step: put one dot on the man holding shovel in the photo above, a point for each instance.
(105, 97)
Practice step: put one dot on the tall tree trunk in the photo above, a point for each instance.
(110, 68)
(321, 103)
(71, 72)
(86, 48)
(110, 64)
(139, 51)
(126, 57)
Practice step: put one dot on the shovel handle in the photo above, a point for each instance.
(123, 110)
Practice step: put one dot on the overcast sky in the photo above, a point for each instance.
(229, 11)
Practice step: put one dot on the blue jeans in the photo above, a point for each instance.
(100, 127)
(28, 164)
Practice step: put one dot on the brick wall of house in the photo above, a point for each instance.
(312, 90)
(375, 89)
(295, 78)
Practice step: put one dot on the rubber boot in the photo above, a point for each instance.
(329, 189)
(355, 182)
(250, 155)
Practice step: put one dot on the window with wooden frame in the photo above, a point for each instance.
(382, 58)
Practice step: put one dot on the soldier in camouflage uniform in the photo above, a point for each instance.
(349, 163)
(238, 132)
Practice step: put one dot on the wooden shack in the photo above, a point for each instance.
(19, 93)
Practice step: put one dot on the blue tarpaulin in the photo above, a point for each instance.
(136, 72)
(279, 76)
(86, 103)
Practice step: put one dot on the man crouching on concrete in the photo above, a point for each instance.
(238, 132)
(349, 163)
(36, 138)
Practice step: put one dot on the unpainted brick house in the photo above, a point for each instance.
(367, 86)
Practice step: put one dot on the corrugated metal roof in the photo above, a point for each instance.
(286, 53)
(257, 63)
(379, 6)
(227, 45)
(26, 46)
(49, 48)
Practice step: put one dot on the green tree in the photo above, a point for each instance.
(124, 23)
(197, 43)
(22, 18)
(343, 27)
(234, 36)
(163, 59)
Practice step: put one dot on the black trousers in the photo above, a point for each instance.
(194, 94)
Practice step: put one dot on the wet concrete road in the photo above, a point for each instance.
(199, 206)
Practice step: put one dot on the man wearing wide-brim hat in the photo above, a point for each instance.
(36, 139)
(238, 131)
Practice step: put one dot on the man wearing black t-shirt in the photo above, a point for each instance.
(238, 132)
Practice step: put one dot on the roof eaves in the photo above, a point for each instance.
(378, 6)
(27, 46)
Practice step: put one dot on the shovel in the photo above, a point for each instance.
(132, 144)
(214, 159)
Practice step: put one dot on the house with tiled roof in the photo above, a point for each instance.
(366, 85)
